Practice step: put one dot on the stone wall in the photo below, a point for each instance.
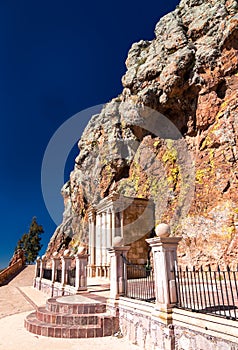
(10, 271)
(53, 289)
(140, 326)
(202, 331)
(187, 339)
(144, 326)
(138, 253)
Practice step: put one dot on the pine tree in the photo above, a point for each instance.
(30, 242)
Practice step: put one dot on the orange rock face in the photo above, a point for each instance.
(189, 73)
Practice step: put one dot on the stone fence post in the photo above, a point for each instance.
(42, 263)
(37, 267)
(37, 271)
(81, 261)
(42, 266)
(55, 264)
(164, 250)
(66, 262)
(117, 281)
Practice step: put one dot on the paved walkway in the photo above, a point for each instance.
(17, 300)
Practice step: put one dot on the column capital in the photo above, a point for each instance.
(91, 213)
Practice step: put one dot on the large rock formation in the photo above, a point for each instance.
(189, 73)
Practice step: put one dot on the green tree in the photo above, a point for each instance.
(31, 242)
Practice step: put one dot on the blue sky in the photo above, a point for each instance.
(57, 58)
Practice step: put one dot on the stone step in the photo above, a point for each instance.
(47, 316)
(77, 316)
(88, 307)
(107, 326)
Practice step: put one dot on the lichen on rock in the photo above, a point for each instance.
(189, 74)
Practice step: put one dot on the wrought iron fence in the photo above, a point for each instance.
(139, 281)
(208, 291)
(71, 273)
(58, 277)
(47, 274)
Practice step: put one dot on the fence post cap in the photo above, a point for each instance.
(162, 230)
(118, 242)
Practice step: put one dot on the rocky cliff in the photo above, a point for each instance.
(185, 157)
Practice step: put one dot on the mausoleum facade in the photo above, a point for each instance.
(115, 217)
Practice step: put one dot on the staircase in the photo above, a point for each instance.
(76, 316)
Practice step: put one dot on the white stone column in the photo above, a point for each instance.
(90, 247)
(109, 236)
(90, 239)
(81, 262)
(98, 240)
(37, 267)
(164, 250)
(55, 264)
(92, 242)
(99, 246)
(42, 266)
(104, 238)
(117, 278)
(63, 273)
(113, 225)
(66, 262)
(122, 223)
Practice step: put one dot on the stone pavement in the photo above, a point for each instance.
(18, 299)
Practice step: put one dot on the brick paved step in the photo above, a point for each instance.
(47, 316)
(79, 316)
(107, 326)
(53, 305)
